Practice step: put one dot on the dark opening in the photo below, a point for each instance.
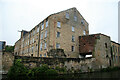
(106, 45)
(84, 44)
(72, 48)
(106, 56)
(86, 55)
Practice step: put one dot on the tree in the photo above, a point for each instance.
(9, 48)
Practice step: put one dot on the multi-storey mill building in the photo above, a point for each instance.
(59, 30)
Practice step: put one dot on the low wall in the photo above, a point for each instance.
(7, 61)
(71, 64)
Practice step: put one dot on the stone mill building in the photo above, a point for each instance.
(59, 30)
(68, 31)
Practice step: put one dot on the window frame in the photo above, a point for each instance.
(45, 33)
(57, 45)
(73, 29)
(59, 24)
(72, 48)
(45, 55)
(73, 38)
(38, 29)
(82, 21)
(42, 26)
(45, 47)
(40, 55)
(84, 32)
(46, 23)
(42, 35)
(33, 32)
(67, 15)
(32, 48)
(58, 34)
(41, 46)
(75, 18)
(33, 40)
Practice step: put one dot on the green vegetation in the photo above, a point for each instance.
(9, 48)
(61, 70)
(110, 69)
(19, 71)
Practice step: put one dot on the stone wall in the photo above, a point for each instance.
(7, 61)
(0, 62)
(97, 45)
(102, 50)
(71, 64)
(115, 50)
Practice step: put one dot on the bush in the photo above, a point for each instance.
(39, 72)
(51, 72)
(18, 70)
(63, 69)
(9, 48)
(110, 69)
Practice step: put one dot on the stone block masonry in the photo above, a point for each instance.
(71, 64)
(7, 61)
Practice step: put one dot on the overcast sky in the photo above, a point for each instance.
(102, 15)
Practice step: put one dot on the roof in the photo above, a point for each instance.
(95, 34)
(115, 42)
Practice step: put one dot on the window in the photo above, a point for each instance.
(22, 39)
(28, 42)
(58, 24)
(40, 55)
(45, 33)
(38, 29)
(82, 21)
(33, 40)
(41, 46)
(32, 49)
(42, 35)
(106, 45)
(75, 18)
(57, 45)
(67, 15)
(45, 45)
(58, 34)
(42, 26)
(36, 47)
(84, 33)
(46, 23)
(33, 32)
(73, 29)
(72, 48)
(32, 55)
(45, 55)
(73, 38)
